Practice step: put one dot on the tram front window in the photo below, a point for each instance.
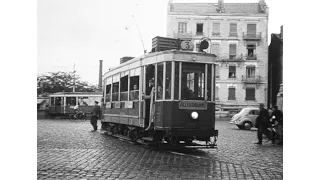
(193, 81)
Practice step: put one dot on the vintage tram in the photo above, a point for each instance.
(63, 103)
(182, 111)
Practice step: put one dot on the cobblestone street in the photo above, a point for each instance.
(70, 150)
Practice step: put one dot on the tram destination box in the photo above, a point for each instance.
(164, 43)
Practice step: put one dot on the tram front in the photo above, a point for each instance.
(190, 113)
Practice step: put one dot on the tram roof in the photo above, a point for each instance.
(174, 54)
(76, 93)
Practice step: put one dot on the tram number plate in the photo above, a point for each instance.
(193, 105)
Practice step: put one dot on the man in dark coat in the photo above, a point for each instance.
(262, 122)
(95, 115)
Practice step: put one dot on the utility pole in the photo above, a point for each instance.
(74, 77)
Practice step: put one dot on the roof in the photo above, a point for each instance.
(211, 8)
(77, 93)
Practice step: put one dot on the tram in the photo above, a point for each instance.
(63, 103)
(182, 111)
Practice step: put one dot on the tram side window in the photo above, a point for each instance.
(108, 89)
(59, 101)
(176, 80)
(83, 101)
(159, 85)
(168, 81)
(52, 101)
(93, 99)
(124, 86)
(192, 81)
(209, 82)
(71, 101)
(134, 84)
(115, 87)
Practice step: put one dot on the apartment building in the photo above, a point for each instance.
(238, 34)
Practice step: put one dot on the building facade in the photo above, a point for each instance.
(238, 34)
(275, 66)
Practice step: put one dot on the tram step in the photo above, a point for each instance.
(147, 139)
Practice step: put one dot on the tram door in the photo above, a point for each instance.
(149, 74)
(59, 105)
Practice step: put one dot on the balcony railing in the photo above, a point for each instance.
(251, 79)
(184, 35)
(251, 57)
(252, 36)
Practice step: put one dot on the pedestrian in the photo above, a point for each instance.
(262, 122)
(278, 121)
(95, 115)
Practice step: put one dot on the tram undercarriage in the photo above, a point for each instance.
(158, 138)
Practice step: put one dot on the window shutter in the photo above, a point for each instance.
(233, 29)
(251, 30)
(216, 29)
(232, 49)
(216, 49)
(182, 27)
(250, 93)
(232, 93)
(217, 72)
(217, 92)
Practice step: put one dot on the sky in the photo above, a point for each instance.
(76, 34)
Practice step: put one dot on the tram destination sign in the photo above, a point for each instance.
(194, 105)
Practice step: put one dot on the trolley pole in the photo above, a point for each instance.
(74, 78)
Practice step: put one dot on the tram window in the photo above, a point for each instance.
(58, 101)
(83, 101)
(93, 99)
(192, 81)
(134, 84)
(115, 87)
(108, 88)
(52, 101)
(176, 81)
(209, 82)
(124, 86)
(168, 80)
(71, 101)
(159, 81)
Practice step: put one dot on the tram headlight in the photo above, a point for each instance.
(194, 115)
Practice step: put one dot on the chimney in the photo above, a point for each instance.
(220, 7)
(100, 76)
(281, 32)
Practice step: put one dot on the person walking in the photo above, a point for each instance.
(278, 121)
(95, 116)
(262, 122)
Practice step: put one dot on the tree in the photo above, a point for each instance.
(53, 82)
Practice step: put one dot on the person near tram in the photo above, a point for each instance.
(95, 116)
(151, 96)
(278, 121)
(262, 122)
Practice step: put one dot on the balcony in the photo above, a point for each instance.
(252, 36)
(251, 79)
(182, 35)
(232, 58)
(251, 57)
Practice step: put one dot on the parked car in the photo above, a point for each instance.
(246, 118)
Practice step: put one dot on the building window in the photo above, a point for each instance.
(233, 30)
(232, 93)
(232, 51)
(217, 92)
(216, 29)
(250, 93)
(215, 49)
(250, 71)
(200, 29)
(251, 30)
(182, 27)
(217, 72)
(232, 72)
(251, 52)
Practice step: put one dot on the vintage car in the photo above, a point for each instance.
(246, 118)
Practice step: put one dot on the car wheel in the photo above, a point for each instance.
(247, 125)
